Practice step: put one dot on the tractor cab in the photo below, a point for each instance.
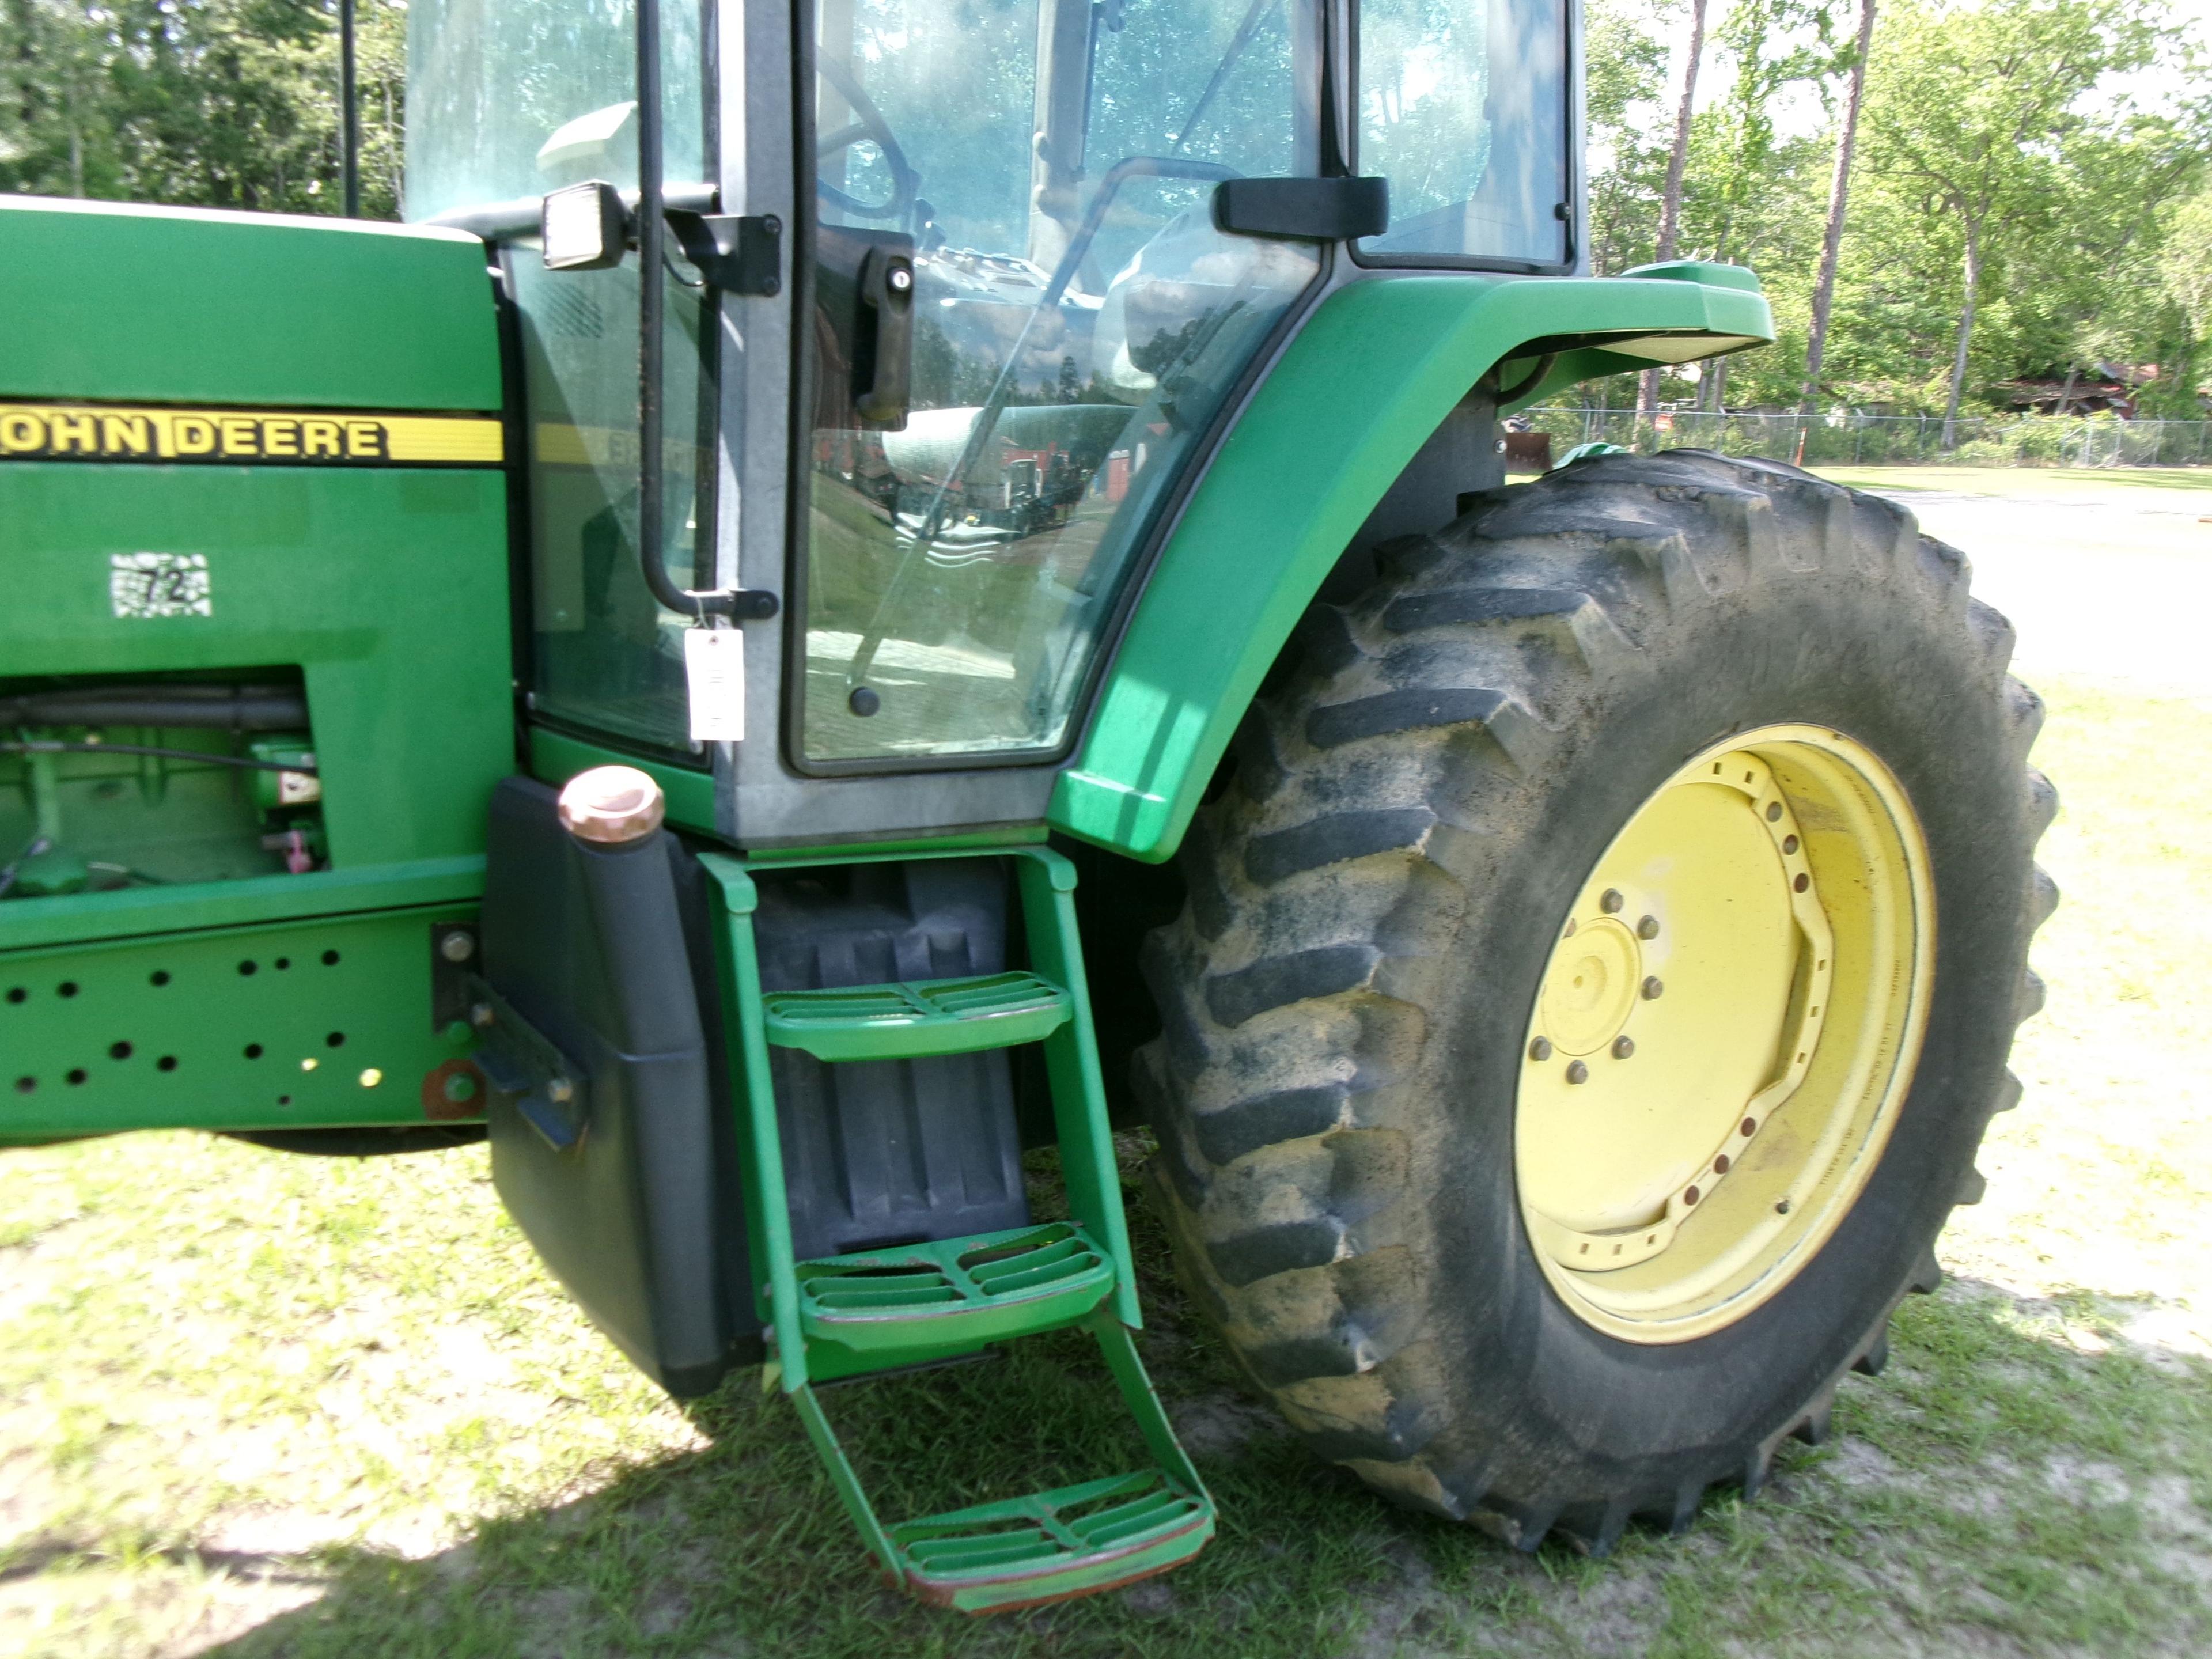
(976, 329)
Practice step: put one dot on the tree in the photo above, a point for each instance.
(213, 103)
(1745, 201)
(1670, 199)
(1626, 59)
(1840, 191)
(1970, 111)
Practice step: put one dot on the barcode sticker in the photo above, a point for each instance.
(715, 663)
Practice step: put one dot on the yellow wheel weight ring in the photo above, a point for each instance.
(1724, 1033)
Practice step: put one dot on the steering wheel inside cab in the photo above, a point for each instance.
(870, 126)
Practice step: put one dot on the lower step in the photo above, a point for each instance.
(1049, 1546)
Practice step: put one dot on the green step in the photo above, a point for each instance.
(1050, 1545)
(877, 1309)
(914, 1019)
(1045, 1546)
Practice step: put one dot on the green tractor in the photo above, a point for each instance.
(871, 587)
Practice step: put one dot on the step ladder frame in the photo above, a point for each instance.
(1046, 882)
(1046, 889)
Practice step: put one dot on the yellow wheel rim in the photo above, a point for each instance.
(1724, 1033)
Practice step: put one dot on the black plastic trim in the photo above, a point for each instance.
(1303, 209)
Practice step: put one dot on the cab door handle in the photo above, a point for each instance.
(884, 369)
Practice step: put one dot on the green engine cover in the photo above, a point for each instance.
(248, 448)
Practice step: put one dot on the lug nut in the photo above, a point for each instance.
(1647, 928)
(1541, 1048)
(1623, 1047)
(1577, 1072)
(1612, 902)
(1653, 988)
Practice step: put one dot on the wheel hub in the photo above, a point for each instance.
(1667, 1143)
(1592, 986)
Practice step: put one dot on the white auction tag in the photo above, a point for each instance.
(715, 663)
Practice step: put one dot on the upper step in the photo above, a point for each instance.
(913, 1019)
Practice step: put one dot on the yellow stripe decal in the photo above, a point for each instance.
(103, 432)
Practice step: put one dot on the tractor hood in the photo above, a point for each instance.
(116, 304)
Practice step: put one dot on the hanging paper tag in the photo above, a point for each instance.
(715, 663)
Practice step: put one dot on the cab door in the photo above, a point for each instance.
(986, 448)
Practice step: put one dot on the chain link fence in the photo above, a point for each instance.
(1840, 438)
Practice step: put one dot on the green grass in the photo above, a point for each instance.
(2021, 480)
(259, 1406)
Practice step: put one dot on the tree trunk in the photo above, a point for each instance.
(1840, 191)
(1972, 275)
(2066, 392)
(1670, 200)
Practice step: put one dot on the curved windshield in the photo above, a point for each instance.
(1078, 320)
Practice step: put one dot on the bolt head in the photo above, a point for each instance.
(458, 1088)
(1611, 900)
(457, 945)
(480, 1016)
(559, 1092)
(1623, 1047)
(1653, 988)
(1647, 928)
(1782, 1207)
(1541, 1048)
(1774, 812)
(1577, 1072)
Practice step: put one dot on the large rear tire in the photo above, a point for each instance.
(1383, 1182)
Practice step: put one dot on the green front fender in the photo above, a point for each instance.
(1358, 392)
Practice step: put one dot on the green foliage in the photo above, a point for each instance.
(2015, 135)
(2023, 183)
(211, 103)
